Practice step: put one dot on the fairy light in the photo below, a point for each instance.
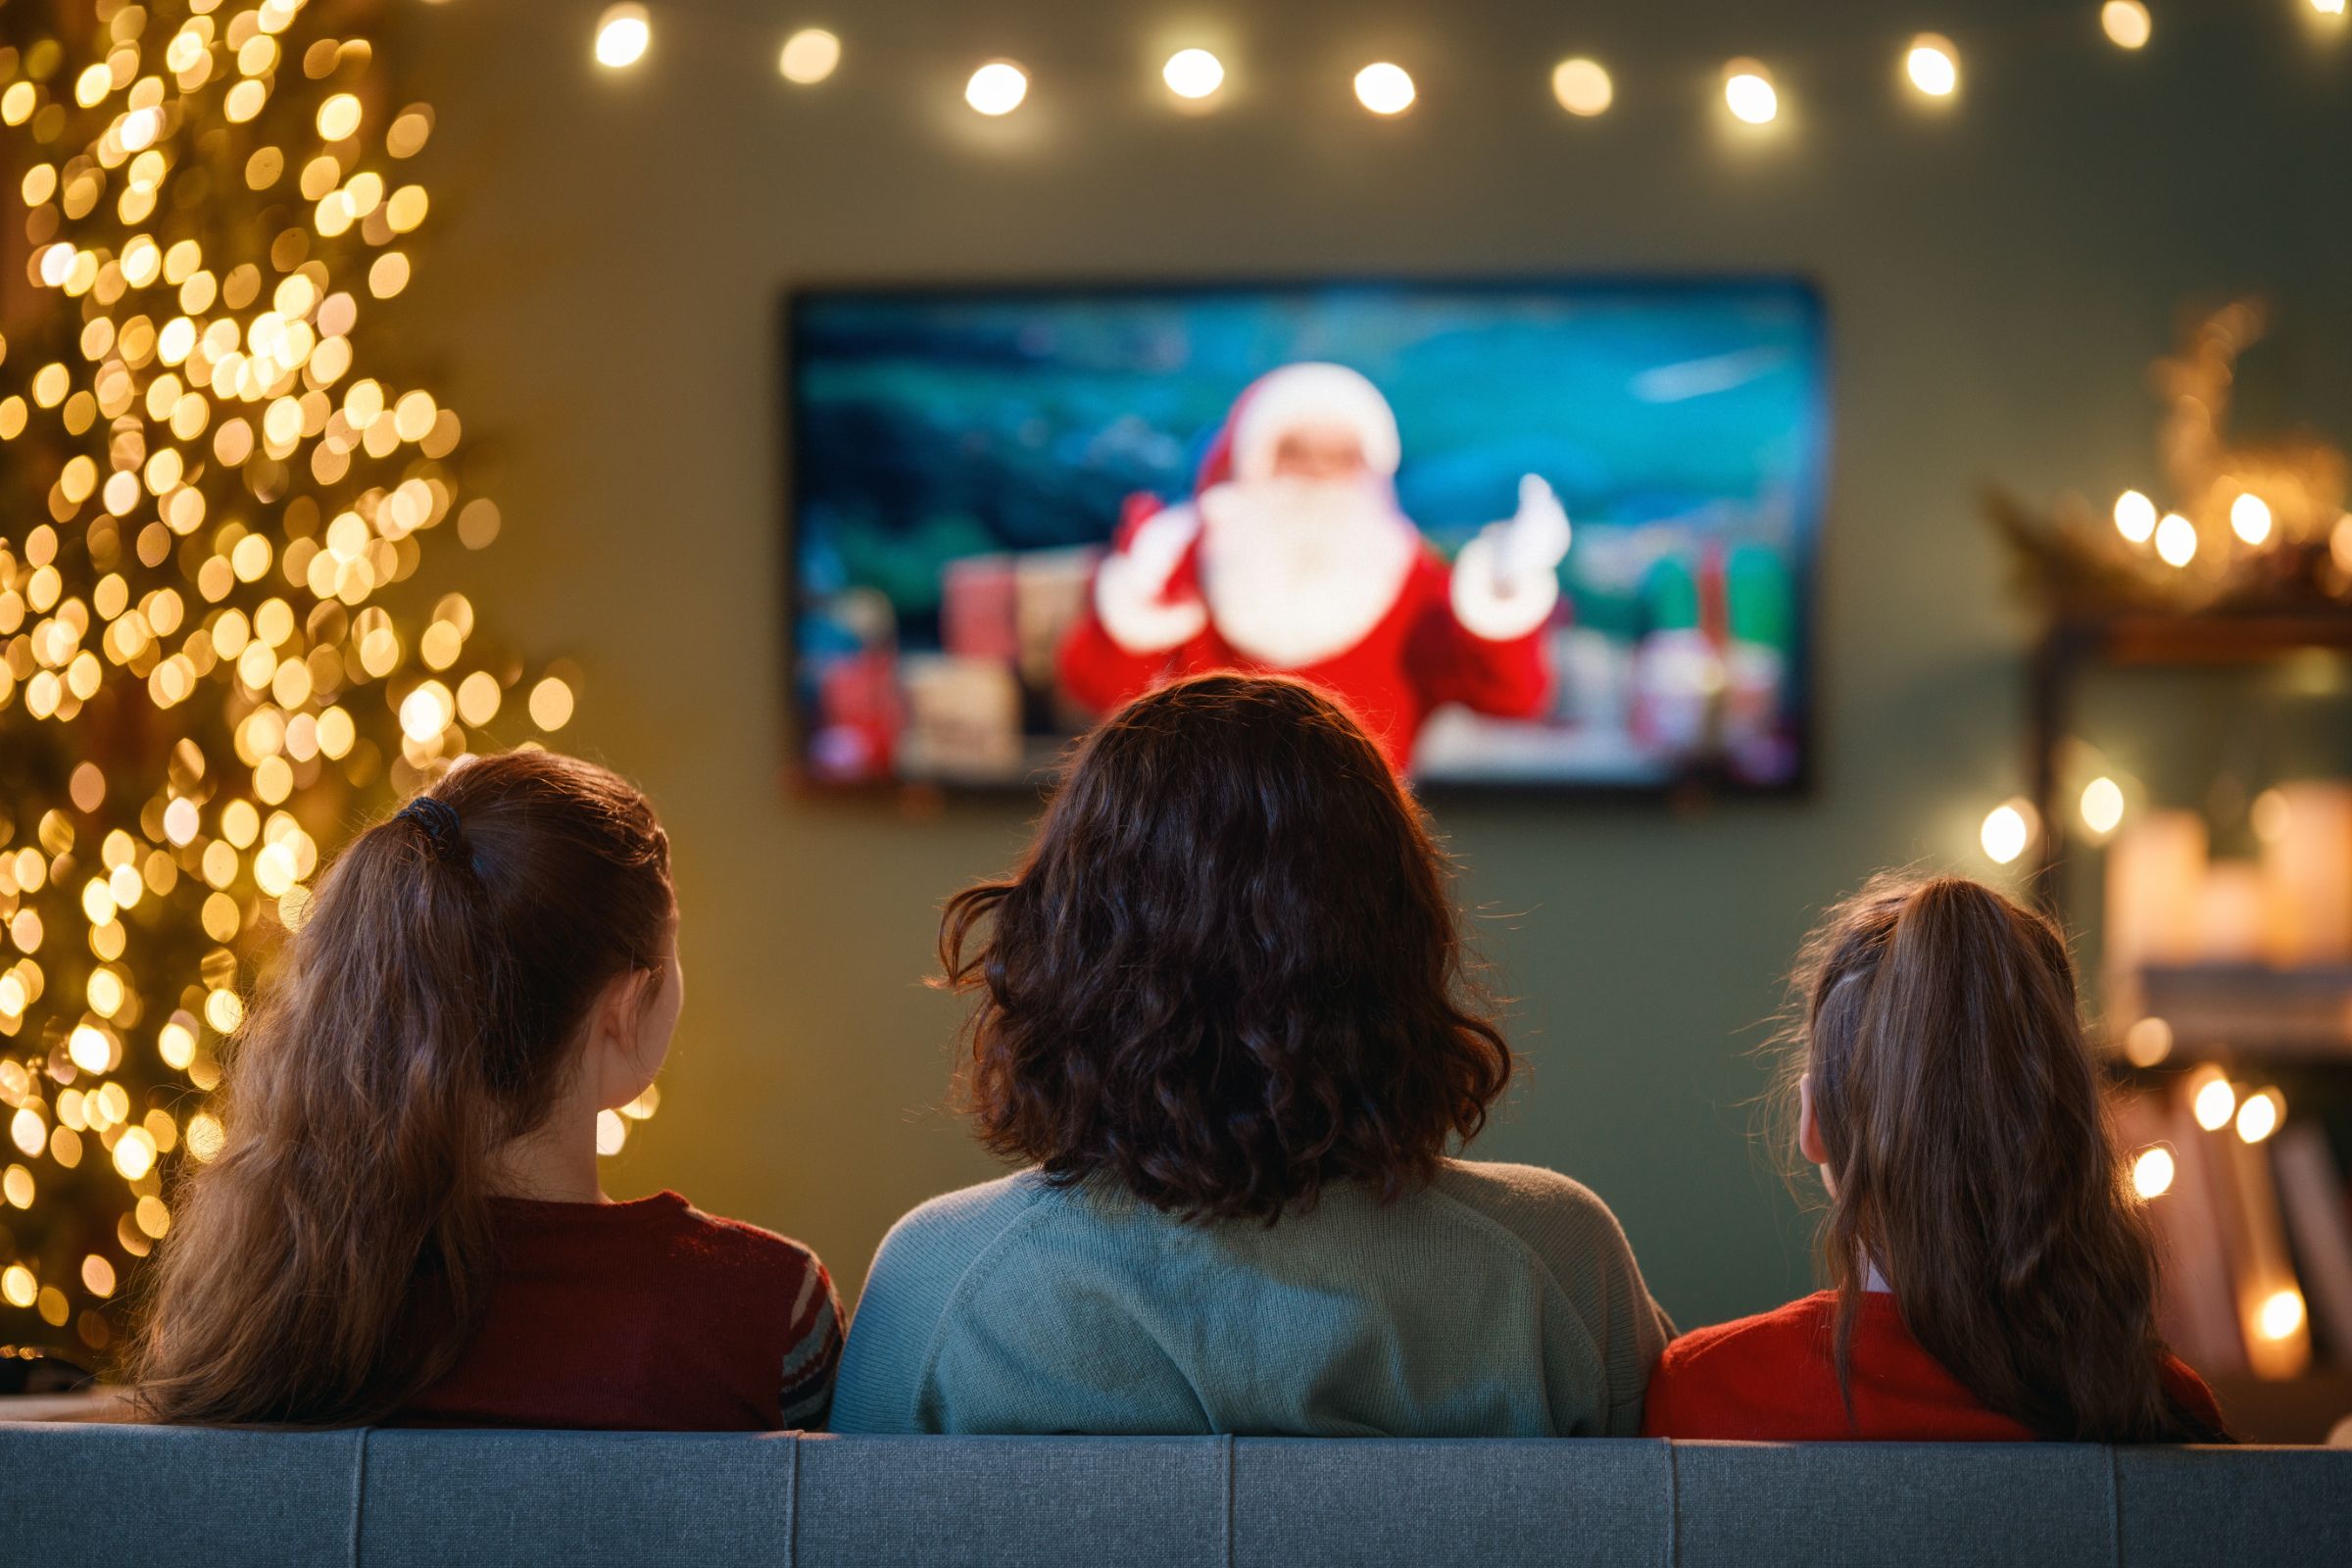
(1385, 88)
(2211, 1100)
(2126, 22)
(810, 56)
(1748, 92)
(622, 34)
(996, 88)
(215, 485)
(2102, 805)
(1583, 88)
(2250, 518)
(2135, 516)
(1193, 73)
(2175, 540)
(1934, 65)
(2007, 832)
(2147, 1042)
(2152, 1172)
(2281, 1314)
(2260, 1115)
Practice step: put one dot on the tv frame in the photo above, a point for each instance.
(1696, 784)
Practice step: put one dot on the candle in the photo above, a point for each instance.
(2306, 832)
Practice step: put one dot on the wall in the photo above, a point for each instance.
(598, 290)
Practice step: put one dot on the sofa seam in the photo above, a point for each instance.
(1674, 1502)
(2115, 1507)
(359, 1493)
(1228, 1443)
(792, 1505)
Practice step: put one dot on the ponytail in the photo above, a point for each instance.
(1974, 1164)
(334, 1259)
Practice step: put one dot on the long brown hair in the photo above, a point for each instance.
(1228, 970)
(1972, 1162)
(334, 1259)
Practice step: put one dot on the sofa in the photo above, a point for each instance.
(116, 1495)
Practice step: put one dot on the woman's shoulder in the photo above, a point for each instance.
(1528, 1200)
(1803, 1321)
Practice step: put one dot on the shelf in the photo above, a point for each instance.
(2253, 1009)
(2160, 640)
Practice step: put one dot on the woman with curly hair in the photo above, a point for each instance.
(1222, 1016)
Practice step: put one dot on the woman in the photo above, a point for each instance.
(1220, 1016)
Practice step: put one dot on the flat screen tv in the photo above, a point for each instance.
(1555, 535)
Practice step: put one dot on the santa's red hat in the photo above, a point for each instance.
(1293, 397)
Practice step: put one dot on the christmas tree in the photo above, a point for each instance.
(216, 653)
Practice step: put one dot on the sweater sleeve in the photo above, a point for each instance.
(908, 1290)
(1601, 1345)
(811, 1352)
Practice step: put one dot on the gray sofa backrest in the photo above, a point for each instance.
(116, 1495)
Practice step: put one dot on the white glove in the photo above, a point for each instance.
(1506, 581)
(1131, 588)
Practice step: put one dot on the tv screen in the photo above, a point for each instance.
(1543, 535)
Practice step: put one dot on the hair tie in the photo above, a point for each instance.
(442, 830)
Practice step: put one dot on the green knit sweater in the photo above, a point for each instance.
(1500, 1301)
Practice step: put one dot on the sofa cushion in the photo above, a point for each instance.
(2207, 1506)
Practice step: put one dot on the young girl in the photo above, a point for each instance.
(1994, 1279)
(405, 1223)
(1221, 1015)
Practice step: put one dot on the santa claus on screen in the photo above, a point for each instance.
(1293, 556)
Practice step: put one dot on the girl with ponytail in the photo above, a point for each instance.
(404, 1222)
(1993, 1277)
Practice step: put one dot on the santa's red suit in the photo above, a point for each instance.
(1323, 578)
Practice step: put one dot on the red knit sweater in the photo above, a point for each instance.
(1772, 1379)
(647, 1315)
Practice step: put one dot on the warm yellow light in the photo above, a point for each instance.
(134, 1153)
(205, 1135)
(2007, 830)
(2281, 1314)
(176, 1043)
(2177, 540)
(621, 36)
(1934, 65)
(339, 117)
(996, 88)
(551, 704)
(97, 1276)
(427, 712)
(2214, 1103)
(2152, 1172)
(2272, 815)
(611, 1132)
(18, 1284)
(2135, 516)
(2260, 1115)
(1582, 87)
(1193, 73)
(89, 1048)
(2147, 1042)
(1748, 92)
(2127, 22)
(1385, 88)
(2329, 8)
(810, 56)
(2102, 805)
(2250, 518)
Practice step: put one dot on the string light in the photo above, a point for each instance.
(1583, 88)
(2147, 1042)
(2128, 24)
(2135, 516)
(622, 35)
(1934, 65)
(2102, 805)
(1748, 92)
(2260, 1115)
(1383, 88)
(2281, 1314)
(1193, 73)
(810, 56)
(996, 88)
(2250, 518)
(2152, 1172)
(2211, 1100)
(2175, 540)
(2007, 832)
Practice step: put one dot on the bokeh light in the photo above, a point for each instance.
(810, 56)
(2135, 516)
(1934, 65)
(2147, 1042)
(2212, 1099)
(1748, 92)
(2102, 805)
(622, 35)
(996, 88)
(2250, 520)
(2281, 1315)
(1193, 73)
(2008, 831)
(2260, 1113)
(2152, 1172)
(2175, 540)
(1582, 87)
(1385, 88)
(2126, 22)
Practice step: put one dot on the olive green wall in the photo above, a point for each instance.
(598, 289)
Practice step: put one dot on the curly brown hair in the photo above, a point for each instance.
(1228, 970)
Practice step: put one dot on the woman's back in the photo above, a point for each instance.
(1495, 1300)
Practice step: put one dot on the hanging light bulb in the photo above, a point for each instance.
(1748, 92)
(1385, 88)
(1193, 73)
(1583, 88)
(810, 56)
(2128, 24)
(1934, 65)
(622, 34)
(996, 88)
(2135, 516)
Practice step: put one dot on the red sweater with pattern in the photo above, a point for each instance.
(1772, 1378)
(645, 1315)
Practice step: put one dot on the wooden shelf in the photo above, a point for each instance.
(2252, 1010)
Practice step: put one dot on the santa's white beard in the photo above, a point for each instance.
(1296, 571)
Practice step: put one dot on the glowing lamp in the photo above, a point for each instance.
(1934, 65)
(622, 34)
(810, 56)
(996, 88)
(1583, 88)
(2102, 805)
(2177, 540)
(2250, 518)
(2214, 1101)
(1193, 73)
(2127, 22)
(2152, 1172)
(1383, 88)
(2135, 516)
(2007, 831)
(1748, 92)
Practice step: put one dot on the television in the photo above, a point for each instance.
(1545, 534)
